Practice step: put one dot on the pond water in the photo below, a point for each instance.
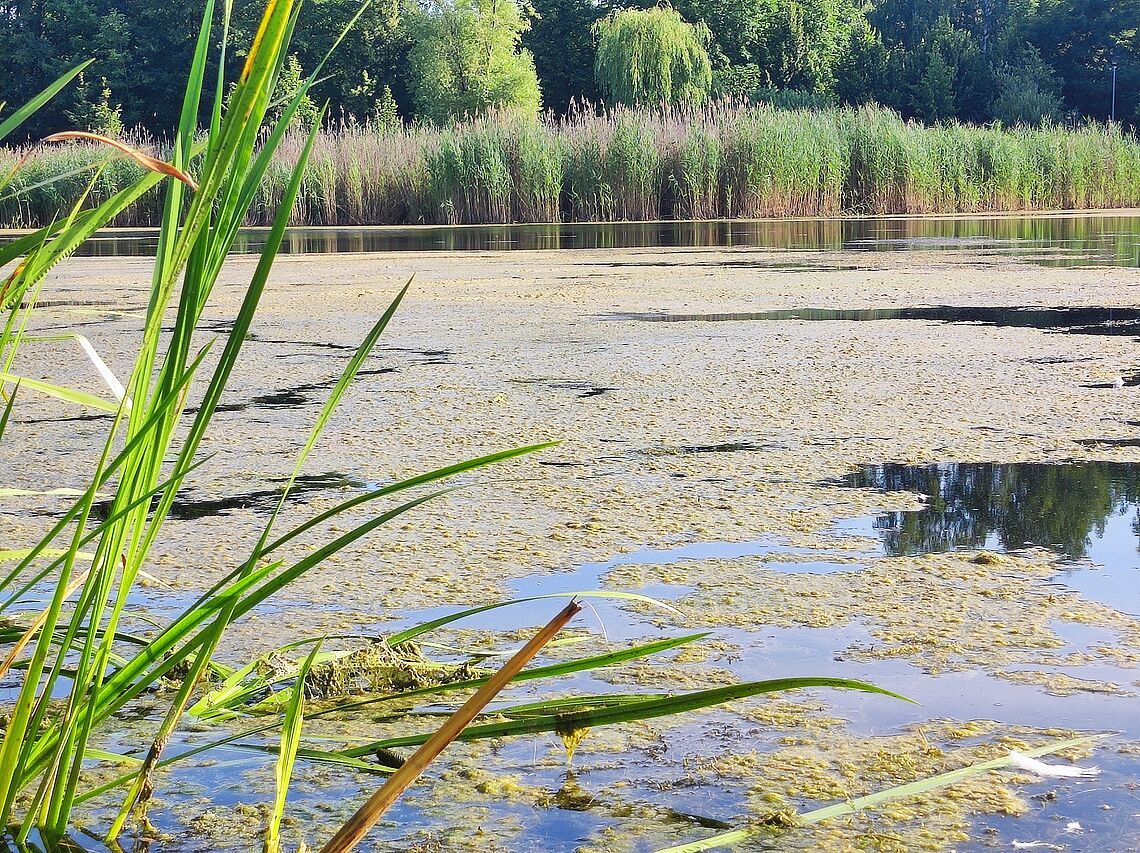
(1086, 512)
(1052, 240)
(1076, 522)
(1084, 515)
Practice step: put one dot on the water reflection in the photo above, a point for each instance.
(1053, 240)
(1071, 508)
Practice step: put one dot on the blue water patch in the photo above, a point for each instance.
(1087, 513)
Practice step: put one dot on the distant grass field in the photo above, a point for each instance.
(727, 161)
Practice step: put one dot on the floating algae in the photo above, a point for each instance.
(909, 392)
(383, 668)
(571, 738)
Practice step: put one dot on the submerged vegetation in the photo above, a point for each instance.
(727, 160)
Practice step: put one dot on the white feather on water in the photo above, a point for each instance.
(1051, 771)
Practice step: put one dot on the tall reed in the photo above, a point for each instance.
(727, 160)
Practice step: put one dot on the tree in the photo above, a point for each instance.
(562, 42)
(93, 111)
(289, 83)
(1081, 40)
(862, 68)
(653, 57)
(466, 59)
(1027, 94)
(736, 28)
(39, 39)
(934, 94)
(802, 42)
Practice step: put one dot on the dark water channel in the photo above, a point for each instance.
(1077, 321)
(1112, 240)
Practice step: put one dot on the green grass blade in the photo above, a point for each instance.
(630, 712)
(363, 351)
(935, 782)
(287, 754)
(534, 673)
(68, 395)
(900, 792)
(425, 627)
(21, 246)
(27, 110)
(9, 404)
(234, 696)
(403, 485)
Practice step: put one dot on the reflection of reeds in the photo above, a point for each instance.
(726, 160)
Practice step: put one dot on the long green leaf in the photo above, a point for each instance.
(624, 713)
(27, 110)
(287, 755)
(900, 792)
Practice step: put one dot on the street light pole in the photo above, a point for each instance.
(1114, 92)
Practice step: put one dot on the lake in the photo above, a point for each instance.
(892, 450)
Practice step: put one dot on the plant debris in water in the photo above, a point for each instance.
(380, 668)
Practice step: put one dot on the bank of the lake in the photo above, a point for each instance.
(726, 161)
(719, 455)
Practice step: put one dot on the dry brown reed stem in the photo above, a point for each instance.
(144, 160)
(357, 826)
(34, 628)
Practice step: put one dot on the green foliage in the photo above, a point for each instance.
(855, 53)
(653, 58)
(863, 66)
(387, 113)
(561, 38)
(291, 83)
(1025, 98)
(94, 112)
(465, 60)
(934, 94)
(1081, 41)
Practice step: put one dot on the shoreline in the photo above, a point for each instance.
(1062, 213)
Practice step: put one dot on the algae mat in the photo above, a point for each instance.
(703, 462)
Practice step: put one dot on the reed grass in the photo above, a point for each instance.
(724, 161)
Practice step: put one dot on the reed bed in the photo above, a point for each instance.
(728, 160)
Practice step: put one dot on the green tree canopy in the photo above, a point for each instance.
(561, 38)
(466, 59)
(652, 57)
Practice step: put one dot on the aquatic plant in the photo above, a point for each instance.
(725, 160)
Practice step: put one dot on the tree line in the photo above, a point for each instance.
(428, 61)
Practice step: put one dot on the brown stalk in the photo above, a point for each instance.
(144, 160)
(357, 826)
(34, 628)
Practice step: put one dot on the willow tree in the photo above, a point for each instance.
(652, 57)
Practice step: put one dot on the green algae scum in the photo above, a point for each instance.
(900, 460)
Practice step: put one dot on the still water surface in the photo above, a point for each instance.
(1085, 515)
(1052, 240)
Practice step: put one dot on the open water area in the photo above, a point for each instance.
(901, 451)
